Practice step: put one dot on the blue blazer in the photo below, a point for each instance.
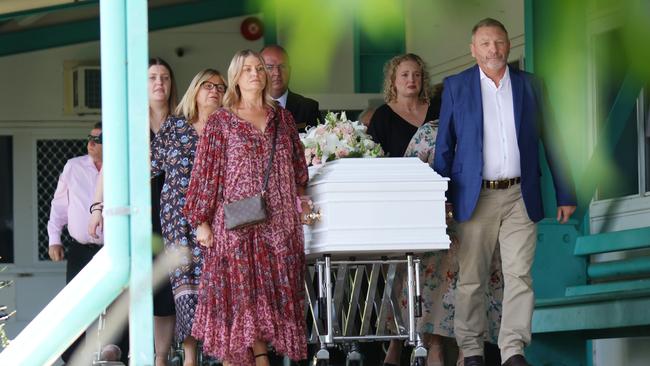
(459, 145)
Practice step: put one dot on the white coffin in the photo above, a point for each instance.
(376, 207)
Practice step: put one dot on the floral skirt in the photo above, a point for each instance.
(184, 278)
(250, 290)
(185, 310)
(438, 278)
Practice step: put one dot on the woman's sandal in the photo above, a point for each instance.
(262, 355)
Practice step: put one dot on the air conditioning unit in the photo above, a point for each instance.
(87, 90)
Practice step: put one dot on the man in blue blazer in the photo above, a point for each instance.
(491, 122)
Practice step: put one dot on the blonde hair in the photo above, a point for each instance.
(390, 69)
(187, 106)
(233, 94)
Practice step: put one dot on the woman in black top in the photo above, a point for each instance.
(407, 94)
(162, 102)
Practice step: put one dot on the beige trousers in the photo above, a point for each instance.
(500, 218)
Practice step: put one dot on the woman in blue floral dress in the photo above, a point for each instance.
(173, 150)
(440, 269)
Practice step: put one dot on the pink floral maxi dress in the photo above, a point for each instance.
(252, 286)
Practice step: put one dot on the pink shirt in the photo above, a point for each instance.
(71, 203)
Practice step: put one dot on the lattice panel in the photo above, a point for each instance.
(51, 156)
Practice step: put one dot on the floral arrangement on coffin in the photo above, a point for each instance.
(338, 138)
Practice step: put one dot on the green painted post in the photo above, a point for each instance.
(590, 352)
(99, 283)
(529, 27)
(270, 18)
(555, 243)
(357, 55)
(115, 132)
(141, 304)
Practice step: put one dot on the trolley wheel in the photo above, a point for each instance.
(354, 357)
(419, 361)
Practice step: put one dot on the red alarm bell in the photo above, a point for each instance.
(252, 28)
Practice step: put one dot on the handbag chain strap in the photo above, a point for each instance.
(268, 168)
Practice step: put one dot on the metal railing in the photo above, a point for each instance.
(127, 234)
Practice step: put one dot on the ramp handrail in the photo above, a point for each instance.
(124, 50)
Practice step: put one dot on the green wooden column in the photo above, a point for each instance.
(556, 51)
(123, 28)
(372, 50)
(104, 278)
(269, 11)
(141, 303)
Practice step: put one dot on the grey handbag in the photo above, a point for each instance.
(250, 210)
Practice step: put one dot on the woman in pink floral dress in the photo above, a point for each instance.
(251, 293)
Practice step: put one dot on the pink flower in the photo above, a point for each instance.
(315, 160)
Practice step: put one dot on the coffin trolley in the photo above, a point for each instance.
(372, 218)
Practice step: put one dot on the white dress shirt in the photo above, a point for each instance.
(283, 99)
(500, 147)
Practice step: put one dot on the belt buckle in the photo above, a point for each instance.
(489, 184)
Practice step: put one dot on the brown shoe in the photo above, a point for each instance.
(516, 360)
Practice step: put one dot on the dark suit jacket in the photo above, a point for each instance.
(459, 145)
(304, 110)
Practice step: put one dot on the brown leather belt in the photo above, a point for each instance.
(500, 184)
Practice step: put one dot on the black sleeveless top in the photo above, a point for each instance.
(156, 187)
(392, 132)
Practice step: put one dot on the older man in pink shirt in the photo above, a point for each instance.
(70, 206)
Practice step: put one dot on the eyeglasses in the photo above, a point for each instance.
(208, 85)
(95, 139)
(280, 67)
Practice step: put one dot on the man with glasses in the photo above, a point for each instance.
(304, 110)
(71, 207)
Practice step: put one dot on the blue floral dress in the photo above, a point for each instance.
(172, 152)
(440, 269)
